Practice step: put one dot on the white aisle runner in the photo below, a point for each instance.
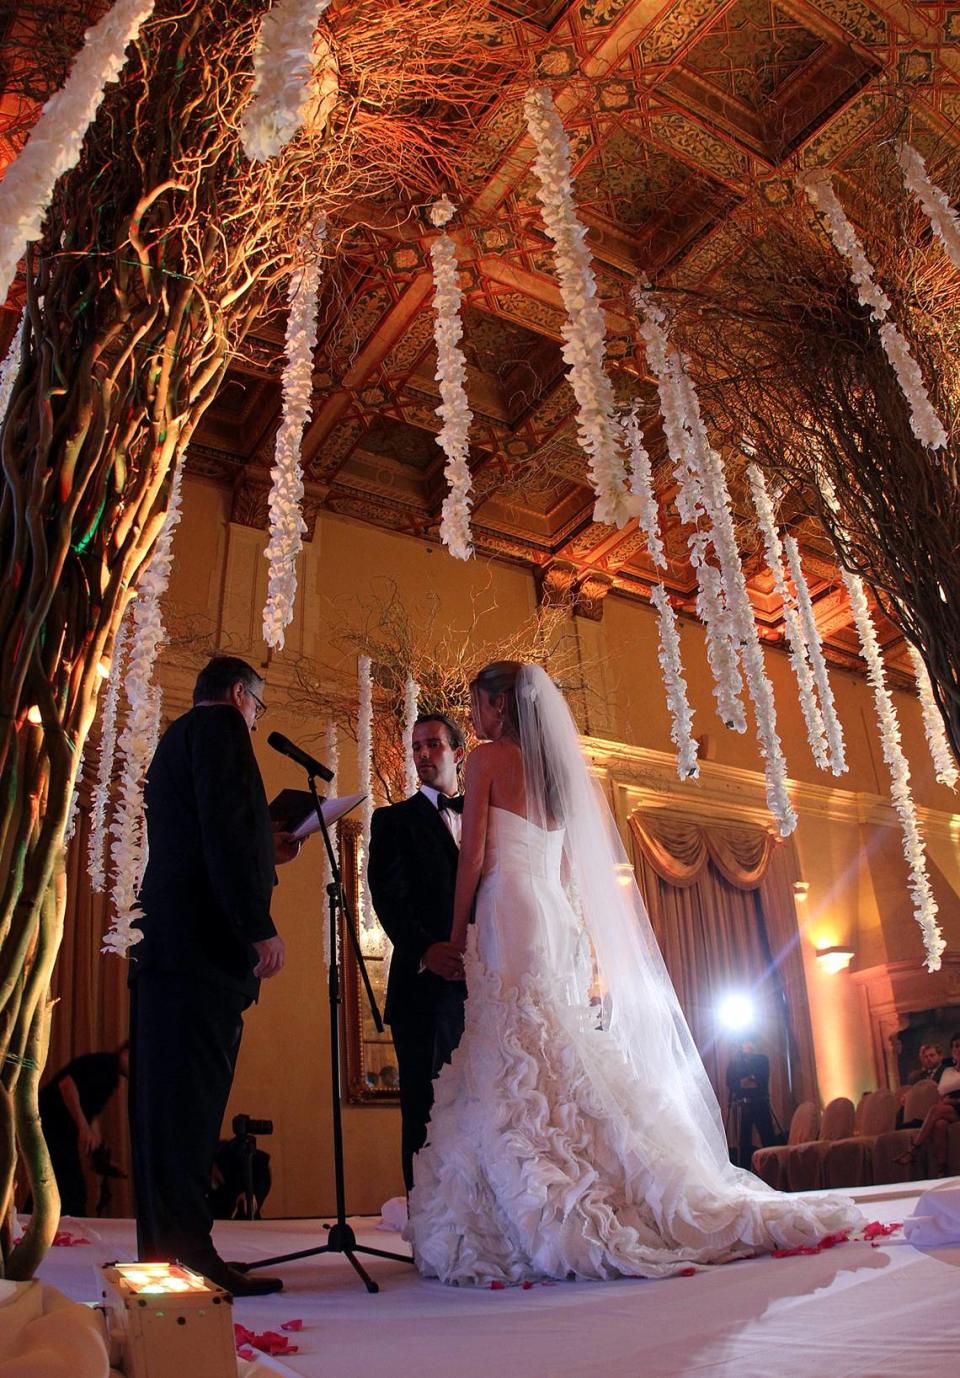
(854, 1311)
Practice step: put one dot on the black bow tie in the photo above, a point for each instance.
(453, 802)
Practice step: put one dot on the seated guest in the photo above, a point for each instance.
(932, 1063)
(71, 1104)
(942, 1115)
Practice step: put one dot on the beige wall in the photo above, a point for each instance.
(847, 844)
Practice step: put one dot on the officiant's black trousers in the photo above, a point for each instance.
(423, 1043)
(184, 1039)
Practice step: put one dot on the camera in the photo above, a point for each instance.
(243, 1125)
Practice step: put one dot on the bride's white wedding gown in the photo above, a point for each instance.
(547, 1156)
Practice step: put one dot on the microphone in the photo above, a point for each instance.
(286, 748)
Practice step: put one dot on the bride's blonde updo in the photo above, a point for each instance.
(500, 677)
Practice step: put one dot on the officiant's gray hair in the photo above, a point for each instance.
(455, 733)
(220, 674)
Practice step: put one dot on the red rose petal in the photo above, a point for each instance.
(687, 1273)
(292, 1325)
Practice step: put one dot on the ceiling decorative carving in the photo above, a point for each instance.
(679, 115)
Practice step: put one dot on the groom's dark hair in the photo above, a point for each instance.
(454, 732)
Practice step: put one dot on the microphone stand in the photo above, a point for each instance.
(341, 1238)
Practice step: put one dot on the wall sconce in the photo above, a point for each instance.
(801, 889)
(834, 959)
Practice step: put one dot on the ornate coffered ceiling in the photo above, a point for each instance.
(678, 114)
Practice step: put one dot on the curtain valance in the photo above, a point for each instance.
(679, 849)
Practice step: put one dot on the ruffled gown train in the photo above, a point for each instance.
(547, 1156)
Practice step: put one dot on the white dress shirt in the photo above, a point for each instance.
(453, 821)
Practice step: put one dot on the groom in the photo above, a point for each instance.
(414, 847)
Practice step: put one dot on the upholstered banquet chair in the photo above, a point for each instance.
(768, 1163)
(848, 1162)
(920, 1098)
(802, 1167)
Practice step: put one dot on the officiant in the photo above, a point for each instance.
(208, 941)
(414, 848)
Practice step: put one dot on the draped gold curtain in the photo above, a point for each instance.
(721, 904)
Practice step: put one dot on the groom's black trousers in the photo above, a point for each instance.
(423, 1043)
(184, 1039)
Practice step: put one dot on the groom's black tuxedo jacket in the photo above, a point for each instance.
(413, 874)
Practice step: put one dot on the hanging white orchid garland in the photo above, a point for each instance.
(97, 839)
(944, 763)
(56, 139)
(711, 608)
(411, 695)
(332, 758)
(454, 409)
(716, 498)
(944, 220)
(282, 66)
(10, 367)
(796, 642)
(286, 493)
(641, 485)
(924, 904)
(584, 327)
(681, 714)
(818, 664)
(73, 812)
(138, 740)
(368, 918)
(924, 421)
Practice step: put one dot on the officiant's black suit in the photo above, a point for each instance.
(205, 899)
(413, 874)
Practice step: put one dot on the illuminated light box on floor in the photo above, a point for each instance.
(165, 1321)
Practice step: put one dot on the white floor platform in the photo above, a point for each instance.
(854, 1311)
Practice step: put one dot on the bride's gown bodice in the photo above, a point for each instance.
(547, 1155)
(521, 875)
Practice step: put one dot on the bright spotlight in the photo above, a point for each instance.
(736, 1013)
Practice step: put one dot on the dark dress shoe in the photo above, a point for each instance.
(237, 1284)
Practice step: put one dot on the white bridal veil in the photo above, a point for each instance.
(641, 1012)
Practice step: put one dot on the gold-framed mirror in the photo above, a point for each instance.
(369, 1061)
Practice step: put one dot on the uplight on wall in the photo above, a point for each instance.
(834, 959)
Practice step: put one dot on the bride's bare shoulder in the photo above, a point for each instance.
(487, 757)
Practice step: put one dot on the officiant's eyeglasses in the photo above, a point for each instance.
(261, 707)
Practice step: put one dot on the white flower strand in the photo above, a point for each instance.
(681, 714)
(411, 696)
(282, 68)
(368, 918)
(138, 740)
(9, 369)
(717, 502)
(924, 421)
(97, 840)
(944, 220)
(454, 409)
(711, 609)
(332, 758)
(944, 763)
(640, 483)
(818, 664)
(73, 812)
(796, 642)
(924, 904)
(583, 328)
(286, 493)
(56, 139)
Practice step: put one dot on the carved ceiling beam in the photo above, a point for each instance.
(374, 351)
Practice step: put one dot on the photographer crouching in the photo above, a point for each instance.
(208, 941)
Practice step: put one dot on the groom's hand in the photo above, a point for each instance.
(443, 959)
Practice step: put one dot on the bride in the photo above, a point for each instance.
(559, 1148)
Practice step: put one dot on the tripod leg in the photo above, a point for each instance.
(368, 1281)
